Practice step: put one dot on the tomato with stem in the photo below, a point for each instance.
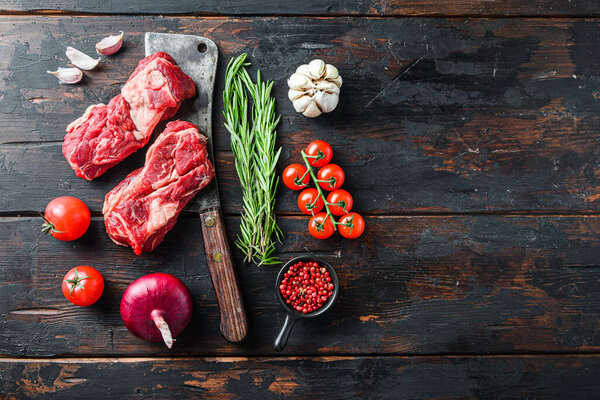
(295, 176)
(331, 177)
(309, 201)
(83, 285)
(319, 153)
(351, 225)
(321, 226)
(66, 218)
(340, 202)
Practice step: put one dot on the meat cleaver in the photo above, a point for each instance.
(197, 56)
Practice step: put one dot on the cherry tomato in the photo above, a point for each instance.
(83, 285)
(66, 218)
(295, 177)
(333, 175)
(319, 153)
(342, 200)
(320, 226)
(309, 201)
(351, 225)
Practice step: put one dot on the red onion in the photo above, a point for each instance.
(156, 307)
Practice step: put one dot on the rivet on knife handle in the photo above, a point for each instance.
(209, 221)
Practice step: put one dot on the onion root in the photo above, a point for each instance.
(163, 327)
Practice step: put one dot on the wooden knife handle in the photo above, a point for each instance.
(234, 324)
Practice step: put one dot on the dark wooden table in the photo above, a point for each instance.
(469, 132)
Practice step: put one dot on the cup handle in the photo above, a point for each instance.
(284, 334)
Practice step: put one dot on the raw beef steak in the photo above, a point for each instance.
(141, 209)
(107, 134)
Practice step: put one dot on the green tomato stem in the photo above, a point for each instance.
(47, 227)
(318, 157)
(313, 204)
(303, 175)
(76, 282)
(321, 195)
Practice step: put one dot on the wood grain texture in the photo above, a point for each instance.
(414, 285)
(503, 377)
(221, 266)
(316, 7)
(442, 115)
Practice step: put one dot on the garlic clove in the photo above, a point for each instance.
(326, 86)
(303, 69)
(301, 103)
(337, 80)
(316, 69)
(299, 81)
(81, 60)
(331, 72)
(312, 110)
(67, 75)
(295, 94)
(326, 101)
(110, 44)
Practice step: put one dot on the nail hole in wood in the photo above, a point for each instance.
(202, 48)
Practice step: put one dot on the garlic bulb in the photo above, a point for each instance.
(315, 88)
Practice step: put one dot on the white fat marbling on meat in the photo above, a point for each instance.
(143, 115)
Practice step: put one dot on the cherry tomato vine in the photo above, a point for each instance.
(313, 202)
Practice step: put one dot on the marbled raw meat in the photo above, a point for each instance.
(141, 209)
(106, 134)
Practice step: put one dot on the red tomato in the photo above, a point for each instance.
(309, 201)
(320, 226)
(342, 200)
(332, 177)
(351, 225)
(67, 218)
(318, 153)
(295, 177)
(83, 285)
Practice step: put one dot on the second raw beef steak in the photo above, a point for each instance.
(141, 209)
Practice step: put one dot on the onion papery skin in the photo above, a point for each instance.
(153, 295)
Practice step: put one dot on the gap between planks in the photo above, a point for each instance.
(209, 15)
(271, 358)
(96, 215)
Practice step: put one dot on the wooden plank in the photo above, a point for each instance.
(547, 377)
(413, 285)
(32, 174)
(445, 115)
(314, 7)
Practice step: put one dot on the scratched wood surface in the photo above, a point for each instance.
(531, 377)
(417, 285)
(315, 7)
(448, 115)
(471, 146)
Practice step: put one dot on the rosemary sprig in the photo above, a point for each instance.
(253, 147)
